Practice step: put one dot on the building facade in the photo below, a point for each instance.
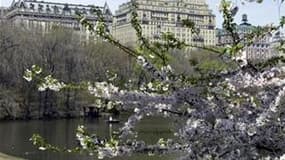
(2, 13)
(45, 15)
(261, 49)
(267, 47)
(161, 16)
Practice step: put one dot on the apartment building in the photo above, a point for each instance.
(161, 16)
(261, 49)
(265, 48)
(45, 15)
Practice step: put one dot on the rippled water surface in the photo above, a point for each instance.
(14, 136)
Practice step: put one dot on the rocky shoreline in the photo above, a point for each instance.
(15, 110)
(58, 114)
(8, 157)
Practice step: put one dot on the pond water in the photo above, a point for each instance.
(14, 136)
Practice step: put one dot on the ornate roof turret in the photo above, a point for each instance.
(107, 9)
(245, 20)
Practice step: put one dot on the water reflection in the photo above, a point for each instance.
(14, 136)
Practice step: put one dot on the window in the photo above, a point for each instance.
(66, 10)
(55, 9)
(32, 6)
(48, 10)
(40, 7)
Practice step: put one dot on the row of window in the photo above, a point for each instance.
(192, 4)
(56, 9)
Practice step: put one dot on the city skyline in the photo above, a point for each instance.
(266, 13)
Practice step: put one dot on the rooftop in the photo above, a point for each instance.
(56, 8)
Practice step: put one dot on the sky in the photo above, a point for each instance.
(258, 14)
